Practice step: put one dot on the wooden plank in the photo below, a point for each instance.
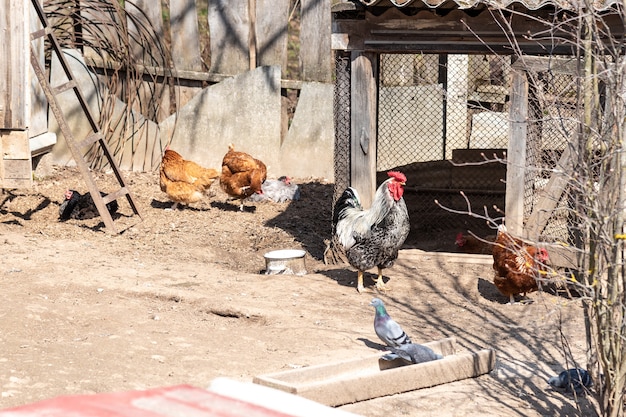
(14, 86)
(15, 164)
(516, 154)
(105, 28)
(145, 16)
(145, 25)
(272, 17)
(363, 140)
(454, 32)
(229, 29)
(15, 144)
(185, 35)
(38, 117)
(315, 32)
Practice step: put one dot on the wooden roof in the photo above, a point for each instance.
(459, 26)
(471, 4)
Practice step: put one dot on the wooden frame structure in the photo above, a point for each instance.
(367, 32)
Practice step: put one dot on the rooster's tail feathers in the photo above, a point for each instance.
(349, 199)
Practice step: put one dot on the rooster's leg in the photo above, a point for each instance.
(511, 299)
(380, 283)
(173, 207)
(359, 279)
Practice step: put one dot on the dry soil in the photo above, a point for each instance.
(180, 297)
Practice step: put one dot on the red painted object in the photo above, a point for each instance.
(176, 401)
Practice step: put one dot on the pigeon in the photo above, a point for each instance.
(386, 328)
(411, 353)
(573, 380)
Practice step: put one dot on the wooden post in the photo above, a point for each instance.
(252, 33)
(15, 95)
(14, 68)
(516, 154)
(364, 103)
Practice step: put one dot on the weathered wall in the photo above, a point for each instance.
(244, 110)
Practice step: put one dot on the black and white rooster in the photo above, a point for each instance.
(81, 206)
(373, 237)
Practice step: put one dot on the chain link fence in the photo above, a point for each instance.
(553, 122)
(440, 116)
(443, 120)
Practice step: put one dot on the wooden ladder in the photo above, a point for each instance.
(96, 136)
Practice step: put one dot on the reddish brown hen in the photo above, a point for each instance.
(184, 181)
(517, 265)
(242, 175)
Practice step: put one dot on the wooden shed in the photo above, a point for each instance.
(430, 86)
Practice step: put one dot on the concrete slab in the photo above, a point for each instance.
(366, 378)
(244, 110)
(308, 146)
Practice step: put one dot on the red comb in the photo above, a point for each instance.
(397, 175)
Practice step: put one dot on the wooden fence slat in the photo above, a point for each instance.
(229, 29)
(149, 15)
(271, 32)
(315, 49)
(14, 71)
(146, 21)
(185, 35)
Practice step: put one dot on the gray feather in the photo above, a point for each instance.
(412, 353)
(386, 328)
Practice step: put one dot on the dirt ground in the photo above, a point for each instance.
(179, 297)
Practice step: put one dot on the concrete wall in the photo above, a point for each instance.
(244, 110)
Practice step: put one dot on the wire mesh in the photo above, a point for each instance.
(438, 115)
(342, 123)
(553, 122)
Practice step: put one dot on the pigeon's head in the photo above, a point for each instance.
(376, 302)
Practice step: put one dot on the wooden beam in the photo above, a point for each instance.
(454, 32)
(363, 117)
(516, 154)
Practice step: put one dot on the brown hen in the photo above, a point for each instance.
(517, 265)
(184, 181)
(242, 175)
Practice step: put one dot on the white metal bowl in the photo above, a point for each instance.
(285, 261)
